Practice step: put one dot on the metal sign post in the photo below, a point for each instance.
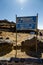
(26, 23)
(16, 38)
(36, 33)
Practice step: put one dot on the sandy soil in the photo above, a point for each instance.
(20, 37)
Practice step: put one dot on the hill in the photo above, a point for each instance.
(7, 25)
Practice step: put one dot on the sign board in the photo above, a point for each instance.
(26, 23)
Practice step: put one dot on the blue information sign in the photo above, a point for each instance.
(26, 23)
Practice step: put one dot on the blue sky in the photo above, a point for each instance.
(9, 8)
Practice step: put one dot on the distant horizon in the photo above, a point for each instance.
(15, 22)
(10, 8)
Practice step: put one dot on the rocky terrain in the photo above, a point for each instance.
(24, 44)
(28, 45)
(6, 25)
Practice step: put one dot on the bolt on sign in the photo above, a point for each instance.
(26, 23)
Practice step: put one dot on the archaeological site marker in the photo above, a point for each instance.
(26, 23)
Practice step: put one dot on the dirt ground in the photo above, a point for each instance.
(20, 37)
